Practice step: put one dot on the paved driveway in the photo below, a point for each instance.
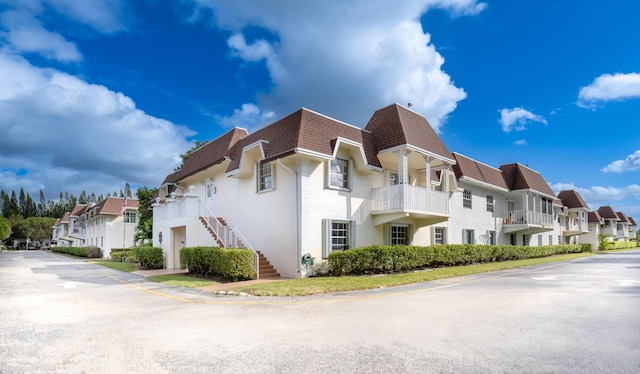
(63, 315)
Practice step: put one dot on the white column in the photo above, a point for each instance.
(427, 171)
(403, 166)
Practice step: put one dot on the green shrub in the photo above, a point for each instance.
(585, 247)
(623, 245)
(149, 257)
(229, 263)
(89, 252)
(387, 259)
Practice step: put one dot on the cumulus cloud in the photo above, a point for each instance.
(630, 163)
(596, 196)
(66, 132)
(250, 117)
(23, 28)
(610, 87)
(517, 118)
(318, 57)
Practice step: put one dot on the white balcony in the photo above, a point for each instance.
(578, 228)
(528, 221)
(407, 200)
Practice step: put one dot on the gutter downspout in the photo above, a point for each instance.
(298, 229)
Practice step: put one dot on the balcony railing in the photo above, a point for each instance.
(528, 217)
(405, 197)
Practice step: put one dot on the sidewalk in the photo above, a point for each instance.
(149, 273)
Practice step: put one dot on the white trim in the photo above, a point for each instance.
(244, 150)
(419, 151)
(478, 183)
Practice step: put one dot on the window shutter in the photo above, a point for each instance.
(350, 175)
(387, 234)
(352, 234)
(326, 237)
(256, 172)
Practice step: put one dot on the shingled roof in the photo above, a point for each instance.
(395, 126)
(469, 168)
(112, 205)
(572, 199)
(607, 212)
(208, 155)
(632, 221)
(304, 130)
(594, 217)
(623, 217)
(520, 177)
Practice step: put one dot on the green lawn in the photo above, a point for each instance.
(127, 267)
(182, 280)
(318, 285)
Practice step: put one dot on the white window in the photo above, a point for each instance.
(265, 177)
(468, 237)
(489, 203)
(492, 237)
(439, 235)
(539, 239)
(339, 170)
(338, 236)
(559, 239)
(129, 217)
(551, 240)
(525, 239)
(399, 234)
(466, 198)
(210, 190)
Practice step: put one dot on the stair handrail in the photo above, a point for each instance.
(226, 237)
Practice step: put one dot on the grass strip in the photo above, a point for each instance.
(182, 280)
(319, 285)
(126, 267)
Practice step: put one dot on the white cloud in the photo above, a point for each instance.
(23, 27)
(319, 57)
(610, 87)
(26, 34)
(630, 163)
(250, 117)
(66, 132)
(517, 118)
(520, 142)
(596, 196)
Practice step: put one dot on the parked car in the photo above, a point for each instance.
(45, 247)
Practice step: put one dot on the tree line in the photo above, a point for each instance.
(23, 217)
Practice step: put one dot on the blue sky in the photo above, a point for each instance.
(94, 94)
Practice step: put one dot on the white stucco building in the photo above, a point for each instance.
(310, 184)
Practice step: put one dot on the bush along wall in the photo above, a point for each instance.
(389, 259)
(622, 245)
(88, 252)
(229, 263)
(149, 257)
(118, 253)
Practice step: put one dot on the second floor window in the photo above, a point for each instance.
(489, 203)
(129, 217)
(339, 173)
(466, 198)
(265, 177)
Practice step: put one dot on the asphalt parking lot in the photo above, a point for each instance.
(63, 315)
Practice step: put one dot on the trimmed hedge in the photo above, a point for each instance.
(622, 245)
(118, 253)
(388, 259)
(229, 263)
(88, 252)
(149, 257)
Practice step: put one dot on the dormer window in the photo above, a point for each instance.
(339, 173)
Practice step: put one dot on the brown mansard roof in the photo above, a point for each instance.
(476, 170)
(396, 126)
(607, 212)
(594, 217)
(623, 217)
(304, 130)
(208, 155)
(308, 131)
(632, 221)
(520, 177)
(112, 205)
(572, 199)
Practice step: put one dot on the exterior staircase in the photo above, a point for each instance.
(266, 270)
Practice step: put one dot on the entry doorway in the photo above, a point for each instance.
(178, 240)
